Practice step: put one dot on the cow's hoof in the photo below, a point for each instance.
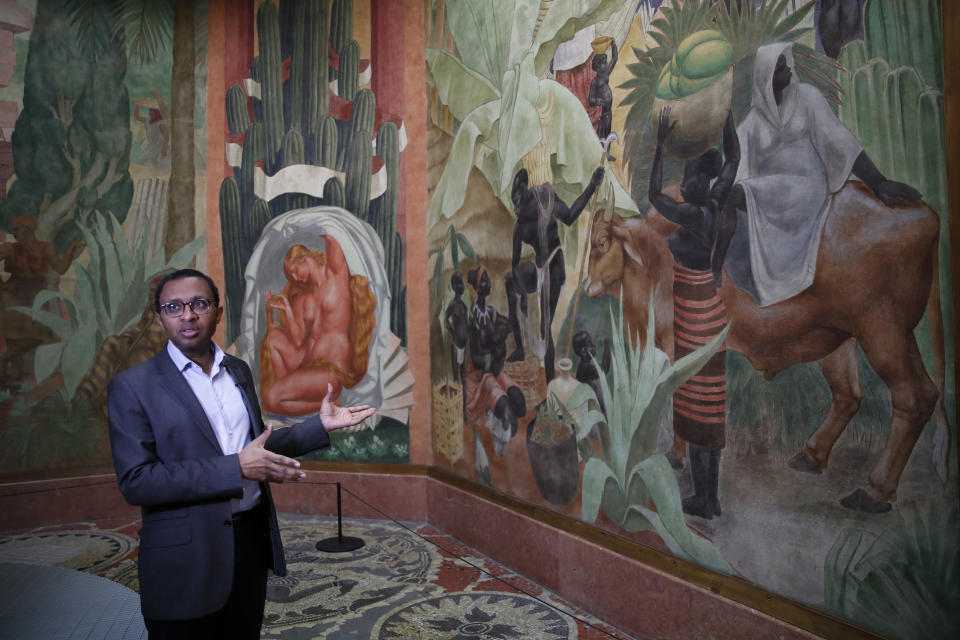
(803, 462)
(861, 501)
(516, 356)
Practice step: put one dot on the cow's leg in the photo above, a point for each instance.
(840, 369)
(896, 359)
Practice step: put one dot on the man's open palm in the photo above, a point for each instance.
(336, 417)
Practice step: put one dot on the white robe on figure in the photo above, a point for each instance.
(794, 157)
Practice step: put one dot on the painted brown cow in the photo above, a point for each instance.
(876, 273)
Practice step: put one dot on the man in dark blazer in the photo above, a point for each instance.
(190, 448)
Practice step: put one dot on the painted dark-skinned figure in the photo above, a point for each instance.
(492, 397)
(600, 94)
(587, 372)
(538, 209)
(795, 155)
(699, 406)
(455, 320)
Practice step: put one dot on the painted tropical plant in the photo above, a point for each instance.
(633, 484)
(110, 298)
(902, 582)
(498, 91)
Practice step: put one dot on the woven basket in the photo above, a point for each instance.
(448, 420)
(527, 376)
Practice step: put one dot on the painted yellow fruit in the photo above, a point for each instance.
(701, 59)
(708, 59)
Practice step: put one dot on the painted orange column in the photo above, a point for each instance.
(415, 207)
(216, 127)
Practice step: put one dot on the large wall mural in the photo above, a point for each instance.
(107, 115)
(691, 283)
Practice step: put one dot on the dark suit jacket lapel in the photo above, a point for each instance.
(238, 372)
(172, 381)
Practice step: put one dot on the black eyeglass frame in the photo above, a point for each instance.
(168, 308)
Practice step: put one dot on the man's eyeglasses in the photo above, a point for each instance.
(174, 308)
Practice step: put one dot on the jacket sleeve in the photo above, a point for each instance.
(158, 462)
(299, 439)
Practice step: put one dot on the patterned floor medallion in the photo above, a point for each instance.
(82, 550)
(471, 616)
(322, 589)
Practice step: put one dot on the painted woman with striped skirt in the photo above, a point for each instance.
(699, 406)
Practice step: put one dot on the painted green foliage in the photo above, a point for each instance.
(497, 89)
(71, 144)
(108, 300)
(630, 474)
(292, 125)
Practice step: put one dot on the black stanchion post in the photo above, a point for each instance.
(341, 543)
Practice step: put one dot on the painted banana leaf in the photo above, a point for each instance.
(496, 91)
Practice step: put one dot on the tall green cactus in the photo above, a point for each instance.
(357, 165)
(293, 153)
(234, 254)
(271, 86)
(341, 24)
(364, 113)
(252, 153)
(327, 142)
(348, 79)
(906, 33)
(388, 204)
(317, 88)
(297, 86)
(259, 218)
(238, 117)
(333, 194)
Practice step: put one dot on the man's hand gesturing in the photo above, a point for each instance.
(334, 416)
(257, 463)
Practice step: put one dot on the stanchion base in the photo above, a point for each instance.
(340, 544)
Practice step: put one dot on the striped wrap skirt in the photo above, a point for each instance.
(699, 406)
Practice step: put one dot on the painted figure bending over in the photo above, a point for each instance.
(489, 390)
(538, 209)
(699, 405)
(191, 450)
(318, 330)
(795, 155)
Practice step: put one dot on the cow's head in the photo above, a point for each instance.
(607, 239)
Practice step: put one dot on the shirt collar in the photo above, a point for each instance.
(182, 362)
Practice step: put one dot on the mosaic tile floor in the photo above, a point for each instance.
(409, 581)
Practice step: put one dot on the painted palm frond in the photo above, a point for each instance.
(145, 27)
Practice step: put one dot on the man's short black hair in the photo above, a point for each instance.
(180, 274)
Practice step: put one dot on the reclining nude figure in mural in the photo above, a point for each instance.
(317, 332)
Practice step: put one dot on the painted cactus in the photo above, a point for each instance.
(234, 255)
